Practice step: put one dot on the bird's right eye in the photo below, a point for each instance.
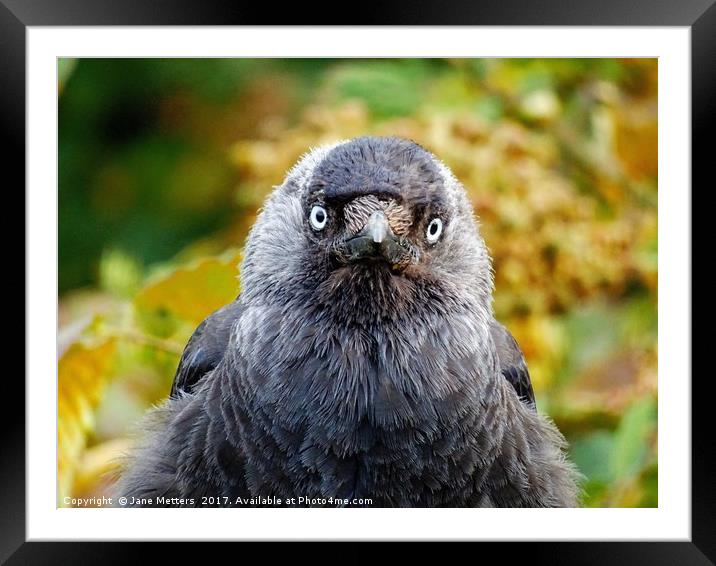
(318, 218)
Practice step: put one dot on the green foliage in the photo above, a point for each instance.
(65, 67)
(615, 461)
(387, 88)
(164, 164)
(631, 441)
(120, 273)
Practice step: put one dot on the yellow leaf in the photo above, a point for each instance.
(99, 467)
(191, 292)
(83, 372)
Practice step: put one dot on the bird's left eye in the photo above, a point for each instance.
(435, 228)
(318, 218)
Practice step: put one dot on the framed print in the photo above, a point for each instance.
(452, 379)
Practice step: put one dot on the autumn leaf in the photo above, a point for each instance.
(188, 293)
(83, 373)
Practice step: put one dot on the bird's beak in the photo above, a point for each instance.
(377, 228)
(376, 241)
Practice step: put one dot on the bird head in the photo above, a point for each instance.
(371, 217)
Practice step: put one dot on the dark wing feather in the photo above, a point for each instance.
(512, 363)
(205, 348)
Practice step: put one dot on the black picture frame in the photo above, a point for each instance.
(699, 15)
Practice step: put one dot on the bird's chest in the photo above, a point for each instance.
(356, 417)
(421, 463)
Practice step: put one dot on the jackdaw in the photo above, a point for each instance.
(361, 360)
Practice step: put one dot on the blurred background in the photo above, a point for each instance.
(163, 164)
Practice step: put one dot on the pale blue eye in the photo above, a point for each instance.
(318, 218)
(435, 228)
